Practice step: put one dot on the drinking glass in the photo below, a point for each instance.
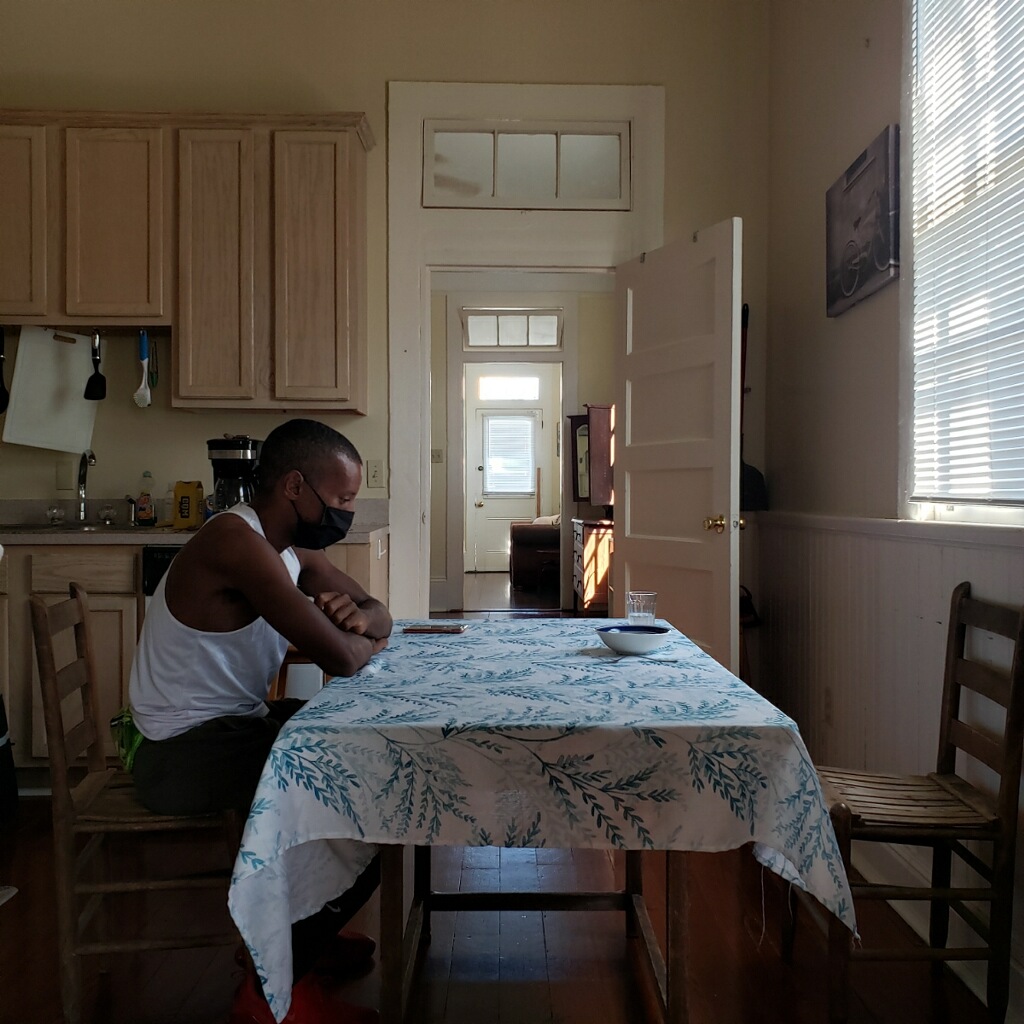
(640, 606)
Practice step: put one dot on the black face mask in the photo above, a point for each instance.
(333, 526)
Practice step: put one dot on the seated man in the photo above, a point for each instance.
(213, 641)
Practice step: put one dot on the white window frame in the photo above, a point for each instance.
(436, 200)
(465, 312)
(531, 415)
(968, 511)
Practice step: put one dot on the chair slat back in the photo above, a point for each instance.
(1003, 754)
(59, 683)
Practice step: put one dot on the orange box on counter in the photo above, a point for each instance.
(188, 504)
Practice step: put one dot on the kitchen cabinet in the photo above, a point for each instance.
(85, 215)
(110, 575)
(366, 563)
(592, 563)
(23, 220)
(271, 265)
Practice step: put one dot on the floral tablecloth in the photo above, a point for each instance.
(523, 733)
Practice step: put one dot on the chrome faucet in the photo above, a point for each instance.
(88, 459)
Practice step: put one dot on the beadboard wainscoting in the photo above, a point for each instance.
(855, 614)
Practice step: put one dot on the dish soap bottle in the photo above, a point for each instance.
(168, 509)
(145, 509)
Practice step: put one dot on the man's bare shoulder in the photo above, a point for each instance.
(226, 538)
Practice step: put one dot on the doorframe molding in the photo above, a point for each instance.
(422, 240)
(447, 593)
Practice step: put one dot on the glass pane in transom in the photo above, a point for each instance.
(512, 330)
(589, 167)
(526, 166)
(464, 164)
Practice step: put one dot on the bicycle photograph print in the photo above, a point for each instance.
(862, 238)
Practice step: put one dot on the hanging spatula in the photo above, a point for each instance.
(142, 396)
(96, 385)
(5, 395)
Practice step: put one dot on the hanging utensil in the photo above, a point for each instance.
(154, 366)
(5, 395)
(96, 385)
(142, 397)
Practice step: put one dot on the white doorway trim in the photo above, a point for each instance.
(422, 240)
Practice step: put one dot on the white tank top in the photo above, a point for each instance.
(182, 676)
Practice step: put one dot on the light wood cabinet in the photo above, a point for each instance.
(114, 622)
(85, 218)
(366, 563)
(110, 575)
(115, 222)
(23, 220)
(271, 266)
(215, 337)
(592, 563)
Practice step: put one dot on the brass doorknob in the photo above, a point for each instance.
(718, 525)
(478, 504)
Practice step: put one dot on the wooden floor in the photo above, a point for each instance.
(528, 968)
(492, 591)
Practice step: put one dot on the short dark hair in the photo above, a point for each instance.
(303, 445)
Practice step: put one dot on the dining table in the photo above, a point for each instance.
(524, 733)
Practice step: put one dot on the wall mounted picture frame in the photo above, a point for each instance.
(862, 237)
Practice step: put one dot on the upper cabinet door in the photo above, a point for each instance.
(115, 222)
(23, 221)
(317, 288)
(215, 324)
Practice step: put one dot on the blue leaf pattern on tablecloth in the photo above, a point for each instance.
(524, 733)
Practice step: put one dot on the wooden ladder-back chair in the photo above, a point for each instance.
(945, 812)
(102, 803)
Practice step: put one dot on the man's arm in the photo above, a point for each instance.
(231, 572)
(341, 598)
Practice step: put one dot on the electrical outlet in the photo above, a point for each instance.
(436, 455)
(374, 473)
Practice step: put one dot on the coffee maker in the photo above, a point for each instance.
(234, 458)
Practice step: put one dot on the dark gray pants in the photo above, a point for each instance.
(216, 766)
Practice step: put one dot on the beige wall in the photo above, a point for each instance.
(318, 55)
(832, 419)
(596, 350)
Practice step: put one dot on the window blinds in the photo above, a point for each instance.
(509, 454)
(968, 222)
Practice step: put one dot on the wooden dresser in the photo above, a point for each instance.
(592, 564)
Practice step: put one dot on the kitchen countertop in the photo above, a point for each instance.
(13, 535)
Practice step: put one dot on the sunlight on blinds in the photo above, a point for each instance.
(968, 222)
(509, 454)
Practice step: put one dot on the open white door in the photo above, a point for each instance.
(677, 436)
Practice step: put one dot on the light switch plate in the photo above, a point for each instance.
(374, 472)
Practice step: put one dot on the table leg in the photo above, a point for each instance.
(634, 887)
(677, 899)
(421, 888)
(392, 933)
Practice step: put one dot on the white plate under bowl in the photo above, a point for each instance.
(633, 639)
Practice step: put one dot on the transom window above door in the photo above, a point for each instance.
(511, 327)
(519, 165)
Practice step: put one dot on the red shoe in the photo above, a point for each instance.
(348, 955)
(311, 1004)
